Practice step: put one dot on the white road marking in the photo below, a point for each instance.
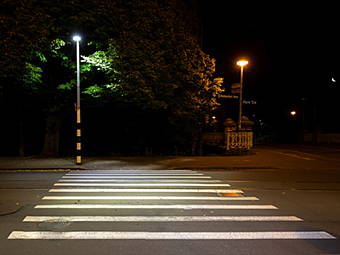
(137, 177)
(134, 174)
(147, 198)
(121, 206)
(170, 235)
(130, 171)
(155, 218)
(295, 156)
(145, 184)
(150, 190)
(140, 181)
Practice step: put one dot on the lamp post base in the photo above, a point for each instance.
(78, 160)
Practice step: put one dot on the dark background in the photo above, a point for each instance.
(293, 51)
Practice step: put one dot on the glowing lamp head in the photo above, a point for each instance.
(293, 113)
(242, 62)
(76, 38)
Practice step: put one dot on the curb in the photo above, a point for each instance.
(40, 169)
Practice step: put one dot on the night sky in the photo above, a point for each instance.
(293, 51)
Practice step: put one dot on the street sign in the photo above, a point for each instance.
(235, 88)
(249, 102)
(236, 97)
(228, 96)
(235, 85)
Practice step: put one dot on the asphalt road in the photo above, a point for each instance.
(299, 212)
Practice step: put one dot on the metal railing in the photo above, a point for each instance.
(238, 140)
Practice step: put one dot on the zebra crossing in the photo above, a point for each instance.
(185, 196)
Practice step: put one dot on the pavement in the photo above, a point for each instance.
(299, 181)
(261, 157)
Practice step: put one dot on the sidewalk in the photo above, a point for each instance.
(264, 157)
(117, 163)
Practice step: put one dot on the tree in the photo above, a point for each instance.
(136, 53)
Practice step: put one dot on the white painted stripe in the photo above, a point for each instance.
(170, 235)
(295, 155)
(150, 190)
(134, 174)
(145, 184)
(137, 177)
(156, 218)
(140, 181)
(184, 206)
(133, 171)
(146, 198)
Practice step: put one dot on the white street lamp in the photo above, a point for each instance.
(77, 38)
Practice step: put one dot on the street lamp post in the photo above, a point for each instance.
(241, 63)
(77, 38)
(293, 113)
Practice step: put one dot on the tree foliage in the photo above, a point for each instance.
(139, 53)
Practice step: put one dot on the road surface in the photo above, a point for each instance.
(242, 211)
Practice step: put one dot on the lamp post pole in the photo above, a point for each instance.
(77, 38)
(241, 63)
(241, 100)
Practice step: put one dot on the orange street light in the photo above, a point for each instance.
(241, 63)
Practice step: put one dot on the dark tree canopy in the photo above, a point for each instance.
(141, 57)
